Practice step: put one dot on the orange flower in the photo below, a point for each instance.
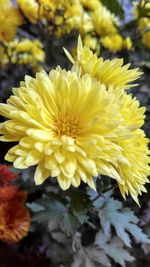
(14, 217)
(6, 175)
(14, 221)
(7, 192)
(11, 192)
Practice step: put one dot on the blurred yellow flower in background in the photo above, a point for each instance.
(146, 39)
(144, 24)
(127, 43)
(87, 17)
(142, 14)
(29, 9)
(3, 57)
(141, 8)
(113, 42)
(24, 51)
(91, 42)
(10, 19)
(73, 15)
(48, 8)
(104, 22)
(116, 42)
(86, 24)
(61, 16)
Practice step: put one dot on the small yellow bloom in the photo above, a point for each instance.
(86, 24)
(104, 22)
(146, 39)
(26, 51)
(10, 19)
(91, 42)
(140, 9)
(113, 42)
(116, 42)
(108, 72)
(144, 24)
(63, 16)
(73, 14)
(48, 8)
(127, 43)
(30, 9)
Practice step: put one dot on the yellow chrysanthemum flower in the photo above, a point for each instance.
(73, 140)
(108, 72)
(104, 21)
(146, 39)
(30, 9)
(10, 19)
(64, 137)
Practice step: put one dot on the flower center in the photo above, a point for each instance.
(67, 124)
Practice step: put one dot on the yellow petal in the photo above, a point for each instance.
(41, 174)
(64, 182)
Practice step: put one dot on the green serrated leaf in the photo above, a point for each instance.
(41, 217)
(56, 215)
(35, 207)
(101, 252)
(69, 223)
(79, 205)
(80, 214)
(90, 257)
(113, 247)
(122, 219)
